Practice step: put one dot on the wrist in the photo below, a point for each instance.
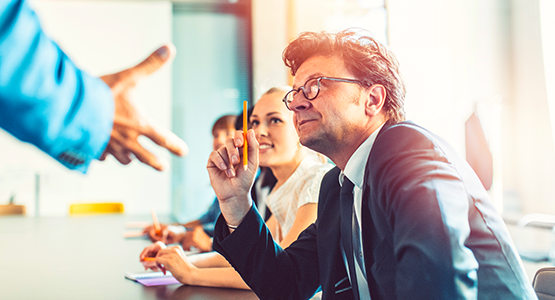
(235, 210)
(189, 277)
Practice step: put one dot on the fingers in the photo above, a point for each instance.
(152, 250)
(153, 236)
(233, 147)
(253, 150)
(150, 265)
(165, 233)
(167, 139)
(162, 268)
(104, 155)
(230, 154)
(252, 145)
(120, 154)
(151, 64)
(120, 146)
(220, 160)
(164, 258)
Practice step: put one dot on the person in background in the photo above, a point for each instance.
(198, 233)
(401, 216)
(292, 201)
(75, 118)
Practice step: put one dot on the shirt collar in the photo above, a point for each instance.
(354, 170)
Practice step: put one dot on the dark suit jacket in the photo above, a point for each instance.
(429, 232)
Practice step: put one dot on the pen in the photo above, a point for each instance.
(149, 259)
(245, 145)
(156, 223)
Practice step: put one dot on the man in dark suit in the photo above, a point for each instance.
(427, 229)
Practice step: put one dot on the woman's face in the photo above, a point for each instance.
(273, 125)
(221, 135)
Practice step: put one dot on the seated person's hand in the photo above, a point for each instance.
(197, 238)
(169, 234)
(151, 251)
(175, 260)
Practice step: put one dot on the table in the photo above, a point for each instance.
(82, 258)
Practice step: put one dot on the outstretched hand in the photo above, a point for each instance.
(130, 123)
(230, 180)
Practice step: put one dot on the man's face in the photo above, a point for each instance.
(325, 123)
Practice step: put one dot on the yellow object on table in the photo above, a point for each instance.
(96, 208)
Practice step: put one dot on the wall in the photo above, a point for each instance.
(269, 40)
(101, 37)
(533, 159)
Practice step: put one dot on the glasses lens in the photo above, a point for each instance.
(289, 97)
(311, 88)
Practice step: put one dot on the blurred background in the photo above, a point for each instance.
(481, 74)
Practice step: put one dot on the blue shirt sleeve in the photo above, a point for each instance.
(45, 99)
(210, 217)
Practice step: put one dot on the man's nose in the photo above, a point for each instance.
(299, 102)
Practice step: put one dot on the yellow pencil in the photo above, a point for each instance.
(157, 227)
(149, 259)
(245, 145)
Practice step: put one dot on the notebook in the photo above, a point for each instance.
(152, 278)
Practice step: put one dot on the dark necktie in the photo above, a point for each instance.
(346, 208)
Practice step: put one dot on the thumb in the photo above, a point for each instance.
(152, 63)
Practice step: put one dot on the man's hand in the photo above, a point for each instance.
(230, 181)
(130, 123)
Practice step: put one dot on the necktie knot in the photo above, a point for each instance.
(347, 186)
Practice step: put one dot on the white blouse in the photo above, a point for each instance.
(302, 187)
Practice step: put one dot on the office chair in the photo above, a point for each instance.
(541, 222)
(95, 208)
(544, 283)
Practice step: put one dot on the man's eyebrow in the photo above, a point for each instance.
(315, 75)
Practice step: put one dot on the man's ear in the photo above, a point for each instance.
(375, 99)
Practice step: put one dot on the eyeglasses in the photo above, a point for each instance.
(311, 89)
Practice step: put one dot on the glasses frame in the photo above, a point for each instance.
(318, 79)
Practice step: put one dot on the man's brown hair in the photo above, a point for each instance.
(369, 61)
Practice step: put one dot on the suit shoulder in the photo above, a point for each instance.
(404, 135)
(403, 128)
